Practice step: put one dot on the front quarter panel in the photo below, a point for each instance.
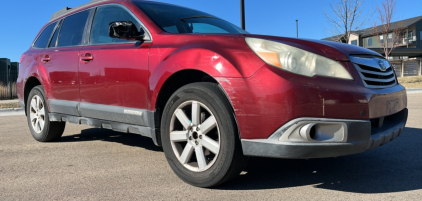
(217, 56)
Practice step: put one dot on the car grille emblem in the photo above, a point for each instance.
(382, 65)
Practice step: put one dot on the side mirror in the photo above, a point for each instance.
(125, 30)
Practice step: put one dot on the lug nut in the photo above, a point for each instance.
(190, 137)
(196, 142)
(200, 137)
(198, 129)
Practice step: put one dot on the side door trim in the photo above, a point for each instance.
(116, 126)
(133, 116)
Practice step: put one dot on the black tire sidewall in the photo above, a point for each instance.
(42, 136)
(209, 95)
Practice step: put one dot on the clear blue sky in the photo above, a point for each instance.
(22, 19)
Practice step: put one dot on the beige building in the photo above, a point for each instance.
(409, 44)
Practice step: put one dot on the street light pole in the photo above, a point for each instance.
(242, 14)
(297, 28)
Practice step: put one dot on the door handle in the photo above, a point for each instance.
(87, 57)
(46, 59)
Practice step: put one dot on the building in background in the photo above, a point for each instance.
(8, 75)
(408, 46)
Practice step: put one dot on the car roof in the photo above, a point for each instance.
(67, 10)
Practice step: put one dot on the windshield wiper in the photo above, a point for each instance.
(199, 16)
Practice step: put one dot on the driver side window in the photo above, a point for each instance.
(102, 19)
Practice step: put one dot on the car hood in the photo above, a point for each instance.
(333, 50)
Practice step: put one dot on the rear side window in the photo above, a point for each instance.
(103, 17)
(72, 30)
(53, 41)
(45, 36)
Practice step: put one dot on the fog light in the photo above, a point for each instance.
(317, 132)
(308, 132)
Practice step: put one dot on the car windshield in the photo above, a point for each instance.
(177, 19)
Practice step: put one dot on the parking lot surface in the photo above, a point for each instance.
(94, 164)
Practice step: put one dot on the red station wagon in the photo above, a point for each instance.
(208, 92)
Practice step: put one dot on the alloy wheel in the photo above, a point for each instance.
(194, 129)
(37, 114)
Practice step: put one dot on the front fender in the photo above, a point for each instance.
(202, 60)
(224, 55)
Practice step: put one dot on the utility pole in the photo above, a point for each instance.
(297, 28)
(242, 14)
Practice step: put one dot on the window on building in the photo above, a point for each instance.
(382, 39)
(355, 42)
(410, 36)
(369, 41)
(420, 37)
(390, 37)
(73, 29)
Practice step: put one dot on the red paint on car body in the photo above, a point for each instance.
(263, 97)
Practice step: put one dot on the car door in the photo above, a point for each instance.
(61, 62)
(113, 72)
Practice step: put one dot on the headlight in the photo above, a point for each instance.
(296, 60)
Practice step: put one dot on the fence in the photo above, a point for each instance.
(8, 85)
(406, 68)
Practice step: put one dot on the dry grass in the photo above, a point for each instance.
(9, 105)
(411, 82)
(4, 90)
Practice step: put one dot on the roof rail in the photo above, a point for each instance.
(67, 10)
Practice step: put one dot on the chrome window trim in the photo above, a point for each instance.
(58, 19)
(133, 15)
(88, 44)
(59, 24)
(64, 20)
(36, 38)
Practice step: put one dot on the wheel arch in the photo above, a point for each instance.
(30, 83)
(175, 82)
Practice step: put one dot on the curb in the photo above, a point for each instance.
(11, 110)
(417, 90)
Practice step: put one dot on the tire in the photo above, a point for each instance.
(216, 156)
(38, 120)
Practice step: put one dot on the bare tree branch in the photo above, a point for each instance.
(347, 17)
(385, 16)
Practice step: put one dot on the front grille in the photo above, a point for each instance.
(371, 73)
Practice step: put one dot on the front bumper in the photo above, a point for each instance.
(358, 136)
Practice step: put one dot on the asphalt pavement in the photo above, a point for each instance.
(94, 164)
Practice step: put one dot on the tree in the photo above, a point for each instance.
(388, 34)
(347, 17)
